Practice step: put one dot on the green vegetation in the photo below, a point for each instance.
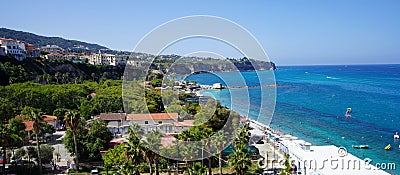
(54, 71)
(89, 143)
(36, 116)
(75, 101)
(56, 99)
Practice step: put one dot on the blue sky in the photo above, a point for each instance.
(291, 32)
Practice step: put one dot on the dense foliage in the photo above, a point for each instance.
(54, 71)
(89, 141)
(54, 99)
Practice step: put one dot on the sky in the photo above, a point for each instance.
(303, 32)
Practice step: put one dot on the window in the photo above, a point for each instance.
(159, 122)
(146, 122)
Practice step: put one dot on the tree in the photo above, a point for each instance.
(156, 82)
(126, 168)
(90, 140)
(65, 77)
(196, 169)
(97, 139)
(47, 77)
(116, 156)
(47, 128)
(36, 116)
(17, 126)
(46, 151)
(93, 75)
(8, 139)
(240, 160)
(135, 147)
(153, 142)
(7, 109)
(219, 141)
(72, 119)
(57, 76)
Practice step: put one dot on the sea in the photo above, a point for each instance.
(310, 102)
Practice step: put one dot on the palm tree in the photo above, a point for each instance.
(242, 135)
(135, 146)
(41, 79)
(240, 159)
(204, 135)
(72, 119)
(196, 169)
(36, 116)
(126, 169)
(153, 142)
(80, 79)
(76, 80)
(219, 141)
(47, 77)
(93, 75)
(65, 77)
(57, 76)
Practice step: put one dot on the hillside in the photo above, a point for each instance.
(52, 71)
(43, 40)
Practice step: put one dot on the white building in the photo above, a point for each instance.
(102, 59)
(52, 49)
(75, 58)
(54, 56)
(119, 123)
(217, 86)
(2, 51)
(326, 160)
(121, 60)
(154, 121)
(183, 125)
(13, 48)
(116, 122)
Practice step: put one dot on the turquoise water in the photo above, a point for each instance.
(311, 102)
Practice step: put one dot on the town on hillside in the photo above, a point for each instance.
(21, 50)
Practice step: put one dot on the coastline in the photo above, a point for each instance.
(265, 131)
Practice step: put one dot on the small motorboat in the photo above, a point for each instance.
(396, 136)
(360, 146)
(388, 147)
(348, 112)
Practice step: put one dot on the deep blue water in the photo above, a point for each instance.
(311, 102)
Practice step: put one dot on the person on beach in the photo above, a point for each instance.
(293, 168)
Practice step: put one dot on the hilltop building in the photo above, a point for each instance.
(2, 51)
(31, 51)
(14, 48)
(107, 59)
(52, 49)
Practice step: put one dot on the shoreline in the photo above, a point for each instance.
(292, 144)
(266, 131)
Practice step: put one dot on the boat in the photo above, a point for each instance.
(360, 146)
(396, 136)
(388, 147)
(348, 112)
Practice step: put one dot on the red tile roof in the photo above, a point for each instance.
(29, 124)
(187, 123)
(153, 116)
(113, 116)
